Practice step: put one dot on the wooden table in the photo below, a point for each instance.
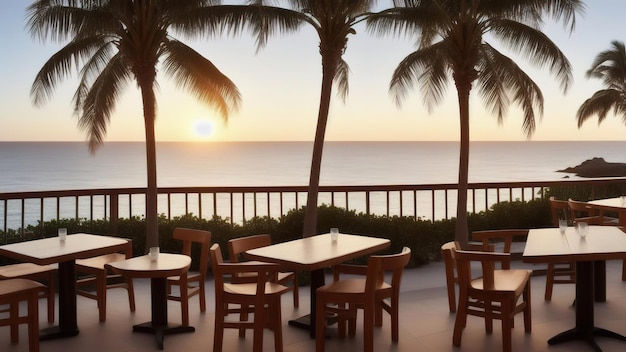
(157, 271)
(51, 250)
(314, 254)
(602, 243)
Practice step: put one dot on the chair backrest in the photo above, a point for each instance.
(264, 271)
(378, 265)
(237, 246)
(559, 209)
(489, 237)
(487, 260)
(582, 211)
(201, 237)
(447, 253)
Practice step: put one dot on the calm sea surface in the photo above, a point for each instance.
(42, 166)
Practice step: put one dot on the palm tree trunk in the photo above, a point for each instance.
(461, 229)
(310, 215)
(149, 115)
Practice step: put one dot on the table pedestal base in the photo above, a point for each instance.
(585, 335)
(160, 331)
(55, 332)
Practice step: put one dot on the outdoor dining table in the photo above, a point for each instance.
(157, 270)
(314, 254)
(600, 244)
(52, 250)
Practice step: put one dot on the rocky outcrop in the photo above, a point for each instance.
(597, 167)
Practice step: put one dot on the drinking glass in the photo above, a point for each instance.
(334, 234)
(582, 229)
(153, 254)
(62, 232)
(562, 226)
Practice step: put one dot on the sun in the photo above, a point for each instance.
(203, 128)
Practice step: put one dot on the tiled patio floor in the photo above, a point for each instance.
(425, 323)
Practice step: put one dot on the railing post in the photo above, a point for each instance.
(114, 211)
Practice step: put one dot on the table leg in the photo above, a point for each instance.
(308, 321)
(599, 280)
(585, 328)
(159, 325)
(68, 325)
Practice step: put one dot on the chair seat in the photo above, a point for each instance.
(505, 281)
(249, 289)
(17, 287)
(99, 261)
(23, 269)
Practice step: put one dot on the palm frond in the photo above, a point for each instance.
(429, 67)
(601, 103)
(101, 98)
(195, 73)
(534, 45)
(342, 79)
(519, 87)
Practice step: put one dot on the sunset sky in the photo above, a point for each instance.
(280, 87)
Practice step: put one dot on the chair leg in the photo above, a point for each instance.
(624, 270)
(507, 318)
(296, 287)
(459, 324)
(33, 322)
(368, 326)
(202, 296)
(276, 318)
(395, 324)
(184, 302)
(101, 291)
(51, 297)
(218, 334)
(320, 310)
(549, 282)
(527, 310)
(131, 293)
(14, 317)
(259, 326)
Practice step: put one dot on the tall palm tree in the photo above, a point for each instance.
(452, 45)
(610, 67)
(334, 21)
(114, 42)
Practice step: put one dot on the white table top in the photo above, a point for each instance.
(167, 264)
(51, 250)
(319, 251)
(616, 202)
(601, 243)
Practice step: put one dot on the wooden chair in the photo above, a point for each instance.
(30, 271)
(447, 253)
(237, 246)
(14, 291)
(93, 274)
(500, 240)
(583, 211)
(193, 283)
(564, 273)
(262, 298)
(367, 294)
(495, 295)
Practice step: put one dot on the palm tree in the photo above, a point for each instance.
(115, 42)
(610, 67)
(334, 21)
(452, 45)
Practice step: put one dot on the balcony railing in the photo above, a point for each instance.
(238, 204)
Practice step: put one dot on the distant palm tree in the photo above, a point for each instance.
(452, 45)
(115, 42)
(334, 21)
(610, 67)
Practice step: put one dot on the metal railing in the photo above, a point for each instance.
(238, 204)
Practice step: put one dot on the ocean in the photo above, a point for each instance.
(44, 166)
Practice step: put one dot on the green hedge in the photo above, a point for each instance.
(424, 237)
